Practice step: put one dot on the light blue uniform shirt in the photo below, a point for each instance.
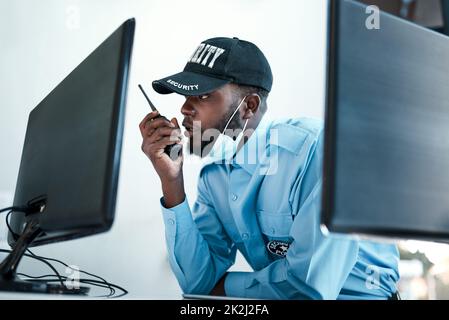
(250, 203)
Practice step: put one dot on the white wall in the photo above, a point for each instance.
(42, 41)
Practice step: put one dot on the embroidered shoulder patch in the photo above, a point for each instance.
(278, 248)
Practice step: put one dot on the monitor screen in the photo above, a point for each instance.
(71, 154)
(387, 127)
(427, 13)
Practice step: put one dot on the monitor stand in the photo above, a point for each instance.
(8, 268)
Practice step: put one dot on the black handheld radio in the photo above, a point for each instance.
(172, 150)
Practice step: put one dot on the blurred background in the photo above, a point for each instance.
(43, 41)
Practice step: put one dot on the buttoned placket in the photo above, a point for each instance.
(235, 201)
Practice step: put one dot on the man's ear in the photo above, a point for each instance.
(252, 106)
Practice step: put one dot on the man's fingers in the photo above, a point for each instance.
(167, 131)
(146, 119)
(175, 122)
(151, 125)
(158, 146)
(156, 123)
(163, 132)
(157, 133)
(165, 141)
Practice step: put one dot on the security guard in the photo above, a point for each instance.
(259, 191)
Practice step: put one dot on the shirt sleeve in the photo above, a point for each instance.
(316, 266)
(199, 249)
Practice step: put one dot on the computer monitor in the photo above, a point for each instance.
(445, 11)
(386, 162)
(70, 163)
(427, 13)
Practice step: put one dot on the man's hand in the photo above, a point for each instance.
(157, 133)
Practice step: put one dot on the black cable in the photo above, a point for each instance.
(103, 283)
(79, 270)
(91, 282)
(37, 277)
(35, 257)
(15, 235)
(21, 209)
(61, 278)
(43, 261)
(45, 258)
(81, 280)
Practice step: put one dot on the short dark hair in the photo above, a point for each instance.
(243, 90)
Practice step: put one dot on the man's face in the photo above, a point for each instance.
(206, 116)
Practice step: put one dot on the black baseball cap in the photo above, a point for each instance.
(216, 62)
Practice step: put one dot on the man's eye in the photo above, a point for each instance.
(203, 97)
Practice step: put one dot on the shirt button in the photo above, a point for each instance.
(273, 231)
(245, 236)
(234, 197)
(171, 221)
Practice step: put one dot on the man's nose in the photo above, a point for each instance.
(187, 108)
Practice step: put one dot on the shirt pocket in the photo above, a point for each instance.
(275, 225)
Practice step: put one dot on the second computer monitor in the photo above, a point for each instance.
(387, 126)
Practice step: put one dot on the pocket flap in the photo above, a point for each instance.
(275, 224)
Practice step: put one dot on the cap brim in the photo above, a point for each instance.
(188, 84)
